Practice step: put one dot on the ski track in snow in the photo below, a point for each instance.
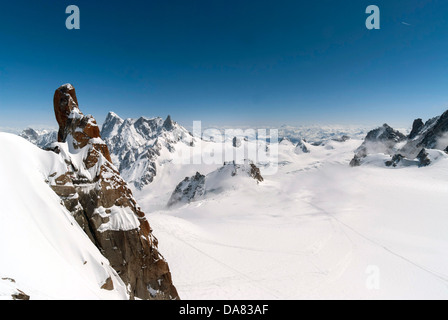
(310, 232)
(440, 276)
(307, 232)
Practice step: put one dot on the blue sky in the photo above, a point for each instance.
(233, 62)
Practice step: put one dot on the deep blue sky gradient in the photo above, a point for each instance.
(233, 62)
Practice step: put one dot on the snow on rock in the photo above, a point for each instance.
(430, 135)
(100, 201)
(425, 158)
(111, 125)
(433, 134)
(45, 254)
(380, 140)
(137, 144)
(285, 142)
(301, 147)
(118, 219)
(230, 176)
(189, 189)
(315, 230)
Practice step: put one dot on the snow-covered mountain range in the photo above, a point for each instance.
(229, 226)
(41, 138)
(140, 148)
(136, 145)
(425, 143)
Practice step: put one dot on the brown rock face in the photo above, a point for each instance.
(72, 122)
(64, 102)
(103, 205)
(255, 173)
(20, 295)
(108, 285)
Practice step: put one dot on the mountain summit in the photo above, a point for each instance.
(94, 192)
(139, 146)
(74, 127)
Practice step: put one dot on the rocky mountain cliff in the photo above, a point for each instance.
(137, 144)
(44, 252)
(433, 134)
(94, 192)
(229, 177)
(301, 147)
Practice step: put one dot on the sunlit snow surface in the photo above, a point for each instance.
(317, 229)
(42, 248)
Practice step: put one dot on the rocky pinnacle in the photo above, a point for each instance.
(103, 205)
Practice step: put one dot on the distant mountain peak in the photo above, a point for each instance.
(137, 144)
(301, 147)
(285, 141)
(111, 124)
(112, 115)
(41, 138)
(168, 124)
(228, 177)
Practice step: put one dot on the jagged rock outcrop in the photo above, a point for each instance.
(416, 128)
(79, 129)
(356, 161)
(103, 205)
(385, 133)
(255, 173)
(168, 124)
(380, 140)
(136, 145)
(433, 134)
(20, 295)
(230, 176)
(16, 293)
(189, 189)
(301, 147)
(423, 158)
(395, 160)
(111, 125)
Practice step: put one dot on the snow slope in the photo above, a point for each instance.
(317, 229)
(42, 248)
